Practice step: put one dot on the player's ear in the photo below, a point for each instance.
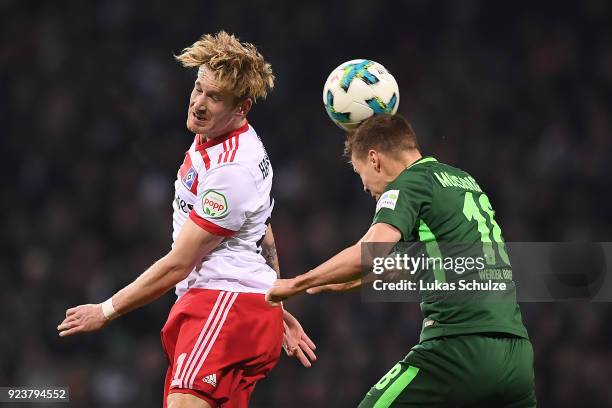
(374, 159)
(244, 107)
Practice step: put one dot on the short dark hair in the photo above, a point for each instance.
(386, 133)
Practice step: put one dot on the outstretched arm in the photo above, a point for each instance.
(192, 244)
(343, 267)
(336, 287)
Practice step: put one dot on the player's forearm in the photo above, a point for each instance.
(271, 257)
(192, 244)
(268, 251)
(343, 267)
(153, 283)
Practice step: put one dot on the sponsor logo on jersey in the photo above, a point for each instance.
(189, 177)
(183, 205)
(387, 200)
(211, 379)
(214, 204)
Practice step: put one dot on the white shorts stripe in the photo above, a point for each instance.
(202, 333)
(197, 351)
(212, 340)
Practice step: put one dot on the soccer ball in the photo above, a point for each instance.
(359, 89)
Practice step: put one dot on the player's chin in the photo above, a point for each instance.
(195, 128)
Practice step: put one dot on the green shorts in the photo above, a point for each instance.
(475, 370)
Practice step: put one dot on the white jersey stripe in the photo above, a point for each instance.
(198, 352)
(235, 149)
(196, 158)
(213, 311)
(229, 148)
(224, 150)
(212, 341)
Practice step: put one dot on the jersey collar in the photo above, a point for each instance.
(220, 139)
(422, 160)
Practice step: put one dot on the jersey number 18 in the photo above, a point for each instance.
(473, 211)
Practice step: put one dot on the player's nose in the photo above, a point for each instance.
(199, 102)
(199, 107)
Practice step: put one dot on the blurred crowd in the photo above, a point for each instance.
(92, 113)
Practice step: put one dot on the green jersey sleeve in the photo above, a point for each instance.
(404, 200)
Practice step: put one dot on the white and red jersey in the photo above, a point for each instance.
(224, 186)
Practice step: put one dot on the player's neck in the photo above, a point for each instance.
(229, 129)
(410, 157)
(407, 159)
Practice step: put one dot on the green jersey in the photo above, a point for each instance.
(439, 205)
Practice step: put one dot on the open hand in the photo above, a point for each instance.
(295, 341)
(81, 319)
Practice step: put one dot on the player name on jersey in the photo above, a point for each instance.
(449, 180)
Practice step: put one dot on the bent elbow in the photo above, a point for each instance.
(177, 269)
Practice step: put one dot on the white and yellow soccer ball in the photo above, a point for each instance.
(358, 89)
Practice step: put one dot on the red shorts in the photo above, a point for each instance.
(219, 344)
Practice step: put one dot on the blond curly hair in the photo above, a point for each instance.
(238, 66)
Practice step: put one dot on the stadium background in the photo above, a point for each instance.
(92, 112)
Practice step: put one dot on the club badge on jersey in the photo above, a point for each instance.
(189, 178)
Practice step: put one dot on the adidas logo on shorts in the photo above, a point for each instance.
(211, 379)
